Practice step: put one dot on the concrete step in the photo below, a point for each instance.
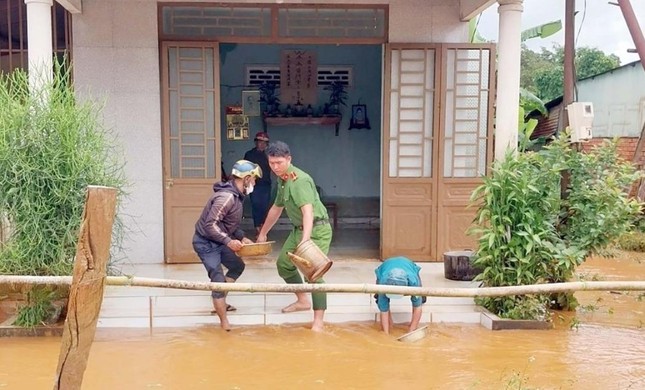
(265, 309)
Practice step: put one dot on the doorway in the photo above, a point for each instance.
(344, 164)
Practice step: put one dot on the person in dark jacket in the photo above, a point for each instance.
(261, 197)
(218, 235)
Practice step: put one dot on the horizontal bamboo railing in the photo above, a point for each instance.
(466, 292)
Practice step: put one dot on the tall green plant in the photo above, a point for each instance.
(52, 146)
(516, 224)
(528, 235)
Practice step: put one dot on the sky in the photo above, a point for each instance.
(602, 25)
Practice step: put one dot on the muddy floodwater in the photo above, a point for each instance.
(601, 346)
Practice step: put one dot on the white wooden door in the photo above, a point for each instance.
(410, 158)
(437, 143)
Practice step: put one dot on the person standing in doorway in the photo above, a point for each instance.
(297, 194)
(261, 196)
(398, 271)
(218, 235)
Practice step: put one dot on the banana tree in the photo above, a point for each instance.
(540, 31)
(528, 101)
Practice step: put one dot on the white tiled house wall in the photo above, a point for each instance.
(116, 58)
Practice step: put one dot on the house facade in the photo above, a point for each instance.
(173, 74)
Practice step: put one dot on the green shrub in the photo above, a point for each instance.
(52, 146)
(516, 222)
(519, 307)
(39, 308)
(598, 208)
(529, 235)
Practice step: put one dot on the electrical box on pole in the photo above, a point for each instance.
(580, 120)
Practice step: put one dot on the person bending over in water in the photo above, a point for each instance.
(398, 271)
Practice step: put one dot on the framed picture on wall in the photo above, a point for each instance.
(359, 118)
(251, 103)
(237, 124)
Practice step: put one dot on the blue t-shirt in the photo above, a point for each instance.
(399, 264)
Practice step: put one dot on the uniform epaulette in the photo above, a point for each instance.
(289, 176)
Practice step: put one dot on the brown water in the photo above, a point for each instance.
(602, 346)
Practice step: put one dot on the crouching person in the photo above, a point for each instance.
(218, 235)
(398, 271)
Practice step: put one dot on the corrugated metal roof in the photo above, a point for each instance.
(549, 125)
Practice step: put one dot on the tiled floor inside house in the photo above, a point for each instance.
(355, 256)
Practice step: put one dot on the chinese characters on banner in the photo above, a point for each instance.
(298, 77)
(237, 124)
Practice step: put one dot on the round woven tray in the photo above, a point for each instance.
(256, 249)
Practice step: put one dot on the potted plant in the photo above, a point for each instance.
(269, 97)
(337, 97)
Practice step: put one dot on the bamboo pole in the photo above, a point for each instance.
(464, 292)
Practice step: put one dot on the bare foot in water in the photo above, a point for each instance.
(226, 326)
(296, 306)
(318, 325)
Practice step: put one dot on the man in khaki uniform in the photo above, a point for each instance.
(298, 195)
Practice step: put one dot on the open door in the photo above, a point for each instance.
(409, 205)
(466, 139)
(191, 140)
(437, 144)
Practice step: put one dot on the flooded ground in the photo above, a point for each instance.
(602, 346)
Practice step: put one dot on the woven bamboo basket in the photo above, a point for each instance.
(256, 249)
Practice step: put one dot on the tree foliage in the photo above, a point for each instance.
(543, 72)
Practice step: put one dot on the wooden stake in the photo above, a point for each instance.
(86, 292)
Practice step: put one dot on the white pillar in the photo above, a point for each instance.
(39, 42)
(508, 76)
